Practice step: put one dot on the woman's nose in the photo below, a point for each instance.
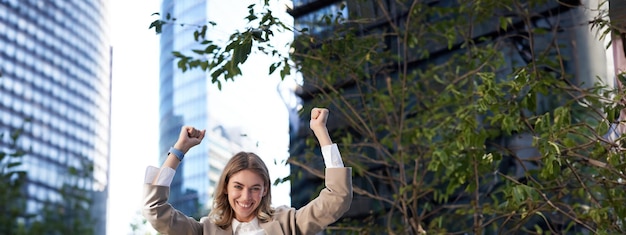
(246, 194)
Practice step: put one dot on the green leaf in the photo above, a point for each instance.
(157, 25)
(285, 71)
(274, 66)
(243, 52)
(13, 164)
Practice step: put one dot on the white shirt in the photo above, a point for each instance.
(247, 228)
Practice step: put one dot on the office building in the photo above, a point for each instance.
(55, 66)
(189, 98)
(183, 101)
(585, 62)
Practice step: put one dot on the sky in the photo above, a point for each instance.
(134, 115)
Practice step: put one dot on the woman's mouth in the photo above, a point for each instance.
(245, 205)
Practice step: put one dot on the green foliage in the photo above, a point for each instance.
(448, 128)
(223, 62)
(11, 185)
(71, 215)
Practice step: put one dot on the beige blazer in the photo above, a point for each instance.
(332, 202)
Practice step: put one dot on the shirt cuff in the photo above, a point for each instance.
(332, 157)
(164, 176)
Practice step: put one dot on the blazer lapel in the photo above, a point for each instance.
(272, 227)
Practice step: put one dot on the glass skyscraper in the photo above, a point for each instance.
(55, 61)
(183, 101)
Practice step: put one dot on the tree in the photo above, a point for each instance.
(13, 179)
(431, 103)
(70, 215)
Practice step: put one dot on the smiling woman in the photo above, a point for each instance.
(244, 186)
(136, 103)
(243, 195)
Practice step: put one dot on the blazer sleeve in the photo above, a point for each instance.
(163, 217)
(333, 201)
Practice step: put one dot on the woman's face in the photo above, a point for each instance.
(245, 190)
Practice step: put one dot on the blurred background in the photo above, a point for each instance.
(90, 95)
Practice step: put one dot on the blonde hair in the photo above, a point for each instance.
(222, 214)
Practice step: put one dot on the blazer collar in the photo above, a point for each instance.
(218, 231)
(271, 227)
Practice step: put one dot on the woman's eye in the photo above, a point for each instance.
(238, 187)
(256, 189)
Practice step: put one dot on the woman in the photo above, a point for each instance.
(243, 196)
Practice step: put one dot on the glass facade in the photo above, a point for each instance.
(585, 64)
(189, 98)
(55, 61)
(314, 20)
(183, 101)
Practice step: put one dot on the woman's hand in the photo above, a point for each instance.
(188, 137)
(319, 116)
